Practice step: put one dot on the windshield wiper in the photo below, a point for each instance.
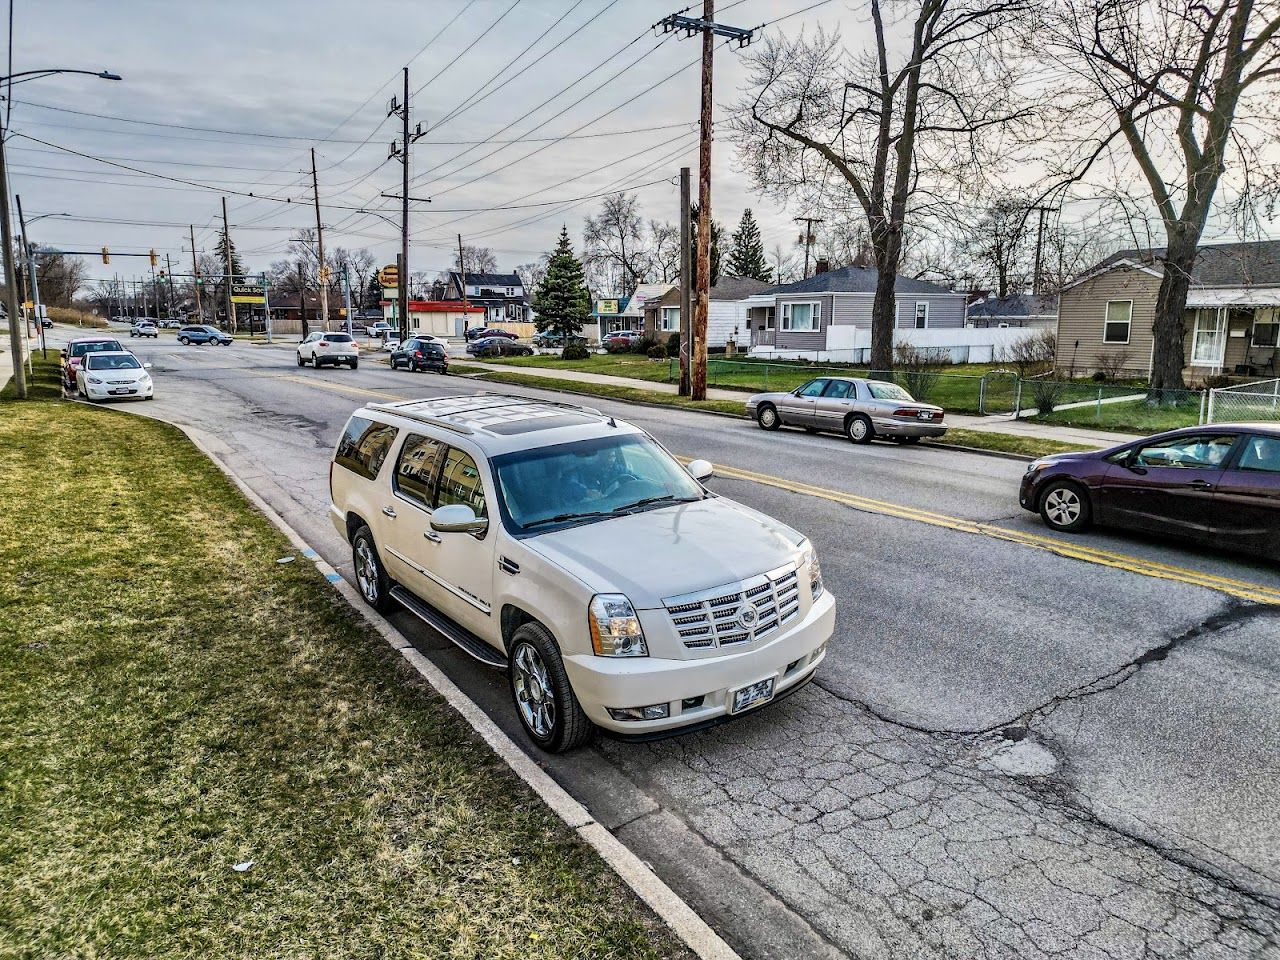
(665, 498)
(561, 517)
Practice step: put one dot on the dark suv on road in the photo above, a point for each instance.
(203, 333)
(416, 355)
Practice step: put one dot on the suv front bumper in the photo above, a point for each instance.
(791, 659)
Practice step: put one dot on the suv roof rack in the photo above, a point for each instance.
(405, 408)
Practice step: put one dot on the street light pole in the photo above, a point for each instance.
(30, 251)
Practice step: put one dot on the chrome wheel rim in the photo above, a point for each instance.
(1063, 506)
(534, 695)
(768, 417)
(858, 429)
(367, 571)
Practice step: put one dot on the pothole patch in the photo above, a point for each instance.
(1024, 757)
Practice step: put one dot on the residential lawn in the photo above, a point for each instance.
(999, 442)
(173, 702)
(1135, 416)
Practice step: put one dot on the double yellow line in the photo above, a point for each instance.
(1243, 589)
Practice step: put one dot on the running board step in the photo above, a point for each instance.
(465, 640)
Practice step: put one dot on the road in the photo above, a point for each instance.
(1009, 752)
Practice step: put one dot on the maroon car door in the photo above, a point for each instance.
(1167, 485)
(1248, 498)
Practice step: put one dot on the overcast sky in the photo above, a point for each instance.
(306, 69)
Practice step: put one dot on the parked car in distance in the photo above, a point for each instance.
(550, 340)
(144, 328)
(107, 375)
(419, 353)
(498, 347)
(571, 549)
(861, 409)
(169, 323)
(1218, 485)
(378, 329)
(201, 333)
(477, 333)
(331, 347)
(46, 322)
(621, 340)
(74, 352)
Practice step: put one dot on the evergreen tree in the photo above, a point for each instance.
(717, 233)
(746, 259)
(235, 268)
(561, 300)
(372, 292)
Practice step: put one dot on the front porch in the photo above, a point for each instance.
(1233, 332)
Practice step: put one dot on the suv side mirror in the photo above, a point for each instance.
(458, 518)
(701, 470)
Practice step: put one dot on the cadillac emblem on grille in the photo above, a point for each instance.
(742, 612)
(748, 616)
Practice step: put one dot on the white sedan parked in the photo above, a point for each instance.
(111, 374)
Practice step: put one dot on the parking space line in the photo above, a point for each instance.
(1244, 589)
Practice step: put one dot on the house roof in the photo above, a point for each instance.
(854, 280)
(1018, 305)
(641, 295)
(490, 279)
(1217, 264)
(729, 288)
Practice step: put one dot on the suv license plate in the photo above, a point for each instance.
(757, 693)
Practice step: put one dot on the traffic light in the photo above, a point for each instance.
(106, 255)
(154, 259)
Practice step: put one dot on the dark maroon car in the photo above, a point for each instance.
(1217, 484)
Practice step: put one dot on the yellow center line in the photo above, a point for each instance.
(341, 387)
(1244, 589)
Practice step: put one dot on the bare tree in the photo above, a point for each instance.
(355, 264)
(1192, 90)
(889, 123)
(664, 251)
(531, 274)
(61, 278)
(614, 249)
(786, 269)
(998, 244)
(476, 260)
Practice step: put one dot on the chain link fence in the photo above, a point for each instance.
(1258, 401)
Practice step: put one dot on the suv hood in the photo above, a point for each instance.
(672, 550)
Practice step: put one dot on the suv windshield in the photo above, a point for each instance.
(605, 477)
(96, 346)
(888, 391)
(112, 363)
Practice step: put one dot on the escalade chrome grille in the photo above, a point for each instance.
(719, 617)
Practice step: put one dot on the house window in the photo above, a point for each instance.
(1209, 338)
(800, 316)
(1266, 328)
(769, 319)
(922, 314)
(1119, 320)
(670, 318)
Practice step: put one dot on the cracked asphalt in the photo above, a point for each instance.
(1007, 754)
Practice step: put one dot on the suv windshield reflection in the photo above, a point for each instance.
(608, 476)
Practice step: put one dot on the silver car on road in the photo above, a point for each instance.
(861, 409)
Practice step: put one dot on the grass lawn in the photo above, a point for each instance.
(1133, 416)
(998, 442)
(173, 702)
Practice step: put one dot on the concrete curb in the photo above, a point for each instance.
(670, 908)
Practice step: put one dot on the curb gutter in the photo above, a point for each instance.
(670, 908)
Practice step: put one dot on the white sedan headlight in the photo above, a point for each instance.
(615, 628)
(815, 574)
(94, 380)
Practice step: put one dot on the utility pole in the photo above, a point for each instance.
(195, 273)
(808, 239)
(34, 284)
(462, 274)
(686, 288)
(709, 30)
(401, 150)
(17, 342)
(322, 271)
(302, 300)
(1037, 278)
(168, 295)
(226, 255)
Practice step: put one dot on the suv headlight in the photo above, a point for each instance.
(815, 574)
(615, 628)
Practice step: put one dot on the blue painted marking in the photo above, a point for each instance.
(310, 554)
(333, 577)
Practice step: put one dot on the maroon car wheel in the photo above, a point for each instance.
(1064, 506)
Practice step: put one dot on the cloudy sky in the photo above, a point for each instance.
(301, 74)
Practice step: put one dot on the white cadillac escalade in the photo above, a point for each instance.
(572, 550)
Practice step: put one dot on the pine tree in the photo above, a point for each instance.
(717, 233)
(561, 300)
(236, 271)
(746, 259)
(372, 292)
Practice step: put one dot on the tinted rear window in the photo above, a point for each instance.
(364, 446)
(337, 338)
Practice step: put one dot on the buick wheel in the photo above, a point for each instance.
(858, 429)
(1065, 506)
(545, 702)
(767, 417)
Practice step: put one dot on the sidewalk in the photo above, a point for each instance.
(1005, 425)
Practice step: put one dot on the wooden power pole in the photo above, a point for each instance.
(195, 273)
(709, 29)
(322, 271)
(807, 238)
(226, 256)
(686, 288)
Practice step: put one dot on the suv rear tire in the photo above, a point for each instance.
(544, 700)
(371, 579)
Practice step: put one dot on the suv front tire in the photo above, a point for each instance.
(371, 579)
(544, 700)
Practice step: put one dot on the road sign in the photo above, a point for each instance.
(248, 293)
(606, 306)
(389, 276)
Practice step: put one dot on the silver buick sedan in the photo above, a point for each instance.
(860, 409)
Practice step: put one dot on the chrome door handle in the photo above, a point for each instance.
(1201, 484)
(390, 512)
(432, 536)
